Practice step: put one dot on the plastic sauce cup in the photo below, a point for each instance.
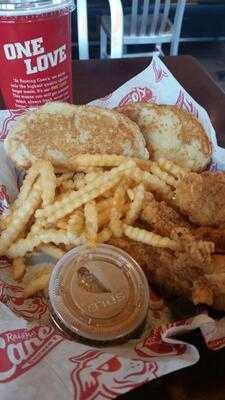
(35, 52)
(99, 294)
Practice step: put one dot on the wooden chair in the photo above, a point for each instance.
(152, 26)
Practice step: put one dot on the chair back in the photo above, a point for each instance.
(82, 29)
(159, 17)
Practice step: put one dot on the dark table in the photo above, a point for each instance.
(96, 78)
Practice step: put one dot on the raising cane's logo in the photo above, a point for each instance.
(8, 121)
(145, 95)
(102, 375)
(154, 346)
(4, 199)
(158, 72)
(5, 262)
(186, 104)
(12, 296)
(21, 349)
(33, 53)
(214, 167)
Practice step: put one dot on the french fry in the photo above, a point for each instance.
(76, 228)
(62, 223)
(95, 170)
(67, 185)
(79, 180)
(76, 222)
(125, 208)
(68, 204)
(150, 238)
(5, 219)
(47, 182)
(36, 285)
(25, 189)
(35, 271)
(164, 176)
(62, 195)
(115, 223)
(172, 168)
(63, 178)
(152, 182)
(60, 169)
(20, 217)
(104, 209)
(51, 250)
(104, 160)
(36, 227)
(46, 172)
(91, 176)
(89, 170)
(108, 194)
(104, 217)
(77, 217)
(91, 221)
(119, 197)
(45, 169)
(24, 246)
(130, 194)
(27, 185)
(19, 268)
(95, 160)
(104, 204)
(116, 211)
(104, 236)
(136, 205)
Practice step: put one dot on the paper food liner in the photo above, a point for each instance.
(36, 361)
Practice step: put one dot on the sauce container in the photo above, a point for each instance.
(98, 294)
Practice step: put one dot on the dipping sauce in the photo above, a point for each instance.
(100, 294)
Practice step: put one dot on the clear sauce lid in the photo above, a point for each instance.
(100, 294)
(33, 7)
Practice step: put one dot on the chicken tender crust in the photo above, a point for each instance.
(161, 217)
(201, 197)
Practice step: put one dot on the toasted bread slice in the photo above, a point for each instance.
(171, 133)
(57, 131)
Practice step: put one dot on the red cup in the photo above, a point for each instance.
(35, 52)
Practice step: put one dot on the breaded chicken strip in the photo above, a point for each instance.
(193, 273)
(210, 289)
(202, 198)
(216, 235)
(162, 218)
(173, 271)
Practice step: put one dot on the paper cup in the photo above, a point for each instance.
(35, 52)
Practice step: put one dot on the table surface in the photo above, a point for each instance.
(97, 78)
